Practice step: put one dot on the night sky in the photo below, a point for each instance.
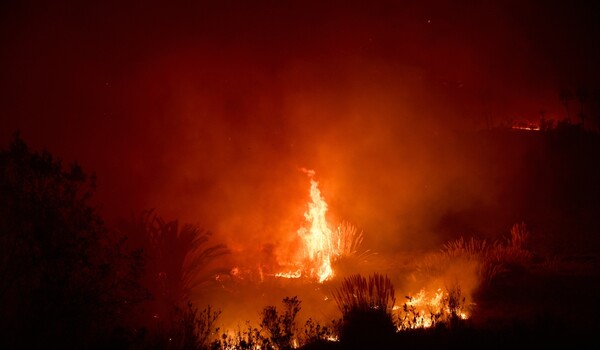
(206, 110)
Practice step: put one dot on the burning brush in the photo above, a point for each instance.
(321, 245)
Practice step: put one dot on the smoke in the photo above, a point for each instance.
(230, 157)
(229, 145)
(208, 113)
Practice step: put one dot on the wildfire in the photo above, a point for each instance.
(526, 125)
(317, 238)
(424, 309)
(530, 128)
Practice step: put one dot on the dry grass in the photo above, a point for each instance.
(358, 293)
(367, 309)
(514, 252)
(519, 236)
(347, 257)
(492, 258)
(347, 239)
(473, 251)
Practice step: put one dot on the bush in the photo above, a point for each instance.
(366, 307)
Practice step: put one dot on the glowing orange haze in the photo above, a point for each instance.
(318, 249)
(322, 245)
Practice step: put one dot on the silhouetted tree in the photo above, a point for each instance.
(582, 97)
(545, 124)
(566, 95)
(64, 279)
(181, 261)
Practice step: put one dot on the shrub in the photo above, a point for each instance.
(315, 333)
(366, 307)
(249, 338)
(281, 328)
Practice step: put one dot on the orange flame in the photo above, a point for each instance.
(425, 307)
(316, 237)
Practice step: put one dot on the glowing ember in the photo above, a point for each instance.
(294, 274)
(526, 125)
(530, 128)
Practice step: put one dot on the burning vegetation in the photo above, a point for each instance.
(300, 175)
(173, 286)
(441, 290)
(439, 293)
(321, 245)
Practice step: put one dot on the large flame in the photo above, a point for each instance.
(316, 237)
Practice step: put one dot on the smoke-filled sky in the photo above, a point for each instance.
(206, 111)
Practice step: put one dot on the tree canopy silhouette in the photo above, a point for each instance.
(64, 277)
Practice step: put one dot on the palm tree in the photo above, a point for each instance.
(180, 260)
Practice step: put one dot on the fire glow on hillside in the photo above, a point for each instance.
(321, 246)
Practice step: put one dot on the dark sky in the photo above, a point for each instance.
(206, 110)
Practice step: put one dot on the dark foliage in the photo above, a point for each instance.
(64, 278)
(281, 327)
(366, 307)
(189, 329)
(278, 330)
(181, 263)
